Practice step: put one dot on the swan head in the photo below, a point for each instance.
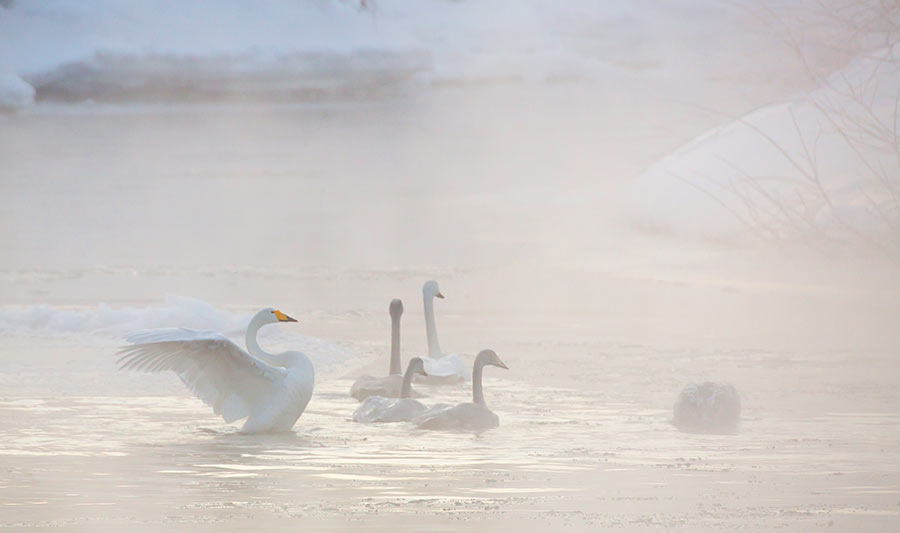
(431, 290)
(416, 366)
(272, 316)
(396, 308)
(490, 357)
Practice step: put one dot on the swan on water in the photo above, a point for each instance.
(390, 385)
(708, 408)
(377, 409)
(441, 368)
(469, 416)
(270, 390)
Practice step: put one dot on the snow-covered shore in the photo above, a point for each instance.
(117, 51)
(820, 167)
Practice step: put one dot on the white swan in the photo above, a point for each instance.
(378, 409)
(708, 408)
(469, 416)
(270, 390)
(441, 368)
(390, 385)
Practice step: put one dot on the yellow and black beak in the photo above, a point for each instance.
(283, 317)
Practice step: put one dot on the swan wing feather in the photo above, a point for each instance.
(214, 368)
(377, 409)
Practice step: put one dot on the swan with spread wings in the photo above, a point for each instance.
(270, 390)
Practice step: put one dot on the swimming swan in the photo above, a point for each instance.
(449, 368)
(708, 408)
(377, 409)
(390, 385)
(467, 416)
(269, 390)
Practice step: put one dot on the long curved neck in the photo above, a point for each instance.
(253, 346)
(434, 347)
(477, 391)
(250, 337)
(395, 346)
(406, 386)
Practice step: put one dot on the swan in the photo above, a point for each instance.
(707, 408)
(390, 385)
(471, 416)
(270, 390)
(441, 368)
(380, 409)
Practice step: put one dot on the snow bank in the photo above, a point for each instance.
(14, 92)
(105, 324)
(116, 323)
(823, 166)
(165, 49)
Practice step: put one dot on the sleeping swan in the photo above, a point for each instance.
(380, 409)
(270, 390)
(390, 385)
(449, 368)
(708, 408)
(474, 416)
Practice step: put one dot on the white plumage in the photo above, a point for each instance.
(379, 409)
(270, 390)
(449, 368)
(441, 367)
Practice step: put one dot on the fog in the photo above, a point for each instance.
(618, 200)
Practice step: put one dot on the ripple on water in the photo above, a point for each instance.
(551, 441)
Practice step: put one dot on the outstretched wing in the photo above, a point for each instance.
(217, 371)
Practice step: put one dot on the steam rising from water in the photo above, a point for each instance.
(501, 163)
